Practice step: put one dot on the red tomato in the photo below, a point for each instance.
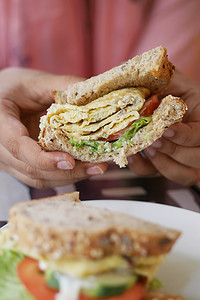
(115, 136)
(149, 106)
(137, 292)
(34, 280)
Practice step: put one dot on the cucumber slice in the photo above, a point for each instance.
(109, 284)
(102, 285)
(51, 278)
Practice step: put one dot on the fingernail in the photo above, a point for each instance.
(64, 165)
(150, 151)
(157, 144)
(143, 154)
(169, 133)
(94, 170)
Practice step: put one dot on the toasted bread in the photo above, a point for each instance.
(57, 228)
(152, 70)
(161, 296)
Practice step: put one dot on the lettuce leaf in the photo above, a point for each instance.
(155, 284)
(94, 145)
(131, 131)
(10, 286)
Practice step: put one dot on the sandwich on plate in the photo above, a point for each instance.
(114, 114)
(59, 248)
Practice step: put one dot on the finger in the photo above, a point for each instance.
(188, 156)
(173, 170)
(179, 86)
(50, 179)
(35, 84)
(23, 148)
(81, 169)
(41, 183)
(46, 82)
(17, 141)
(26, 168)
(141, 165)
(185, 134)
(28, 151)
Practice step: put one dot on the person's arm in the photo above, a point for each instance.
(24, 96)
(177, 154)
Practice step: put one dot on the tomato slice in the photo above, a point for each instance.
(34, 280)
(115, 136)
(137, 292)
(148, 108)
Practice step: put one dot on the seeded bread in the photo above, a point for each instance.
(57, 228)
(171, 110)
(152, 70)
(161, 296)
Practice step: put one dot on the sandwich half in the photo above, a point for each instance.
(114, 114)
(59, 248)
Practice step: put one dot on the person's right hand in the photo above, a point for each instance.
(24, 96)
(176, 155)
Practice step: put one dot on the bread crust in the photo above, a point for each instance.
(171, 110)
(162, 296)
(152, 70)
(57, 228)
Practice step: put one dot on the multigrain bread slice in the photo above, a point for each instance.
(171, 110)
(56, 228)
(161, 296)
(152, 70)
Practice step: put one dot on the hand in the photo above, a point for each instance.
(177, 154)
(24, 96)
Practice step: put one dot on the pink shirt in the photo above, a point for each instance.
(86, 37)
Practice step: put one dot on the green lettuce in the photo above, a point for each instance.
(131, 131)
(126, 137)
(93, 145)
(10, 286)
(155, 284)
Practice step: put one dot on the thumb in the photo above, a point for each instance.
(178, 86)
(48, 82)
(63, 81)
(33, 84)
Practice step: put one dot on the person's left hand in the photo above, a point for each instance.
(177, 154)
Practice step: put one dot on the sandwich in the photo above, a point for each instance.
(114, 114)
(60, 248)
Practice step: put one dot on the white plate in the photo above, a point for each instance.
(180, 273)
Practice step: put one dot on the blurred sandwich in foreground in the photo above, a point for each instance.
(59, 248)
(114, 114)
